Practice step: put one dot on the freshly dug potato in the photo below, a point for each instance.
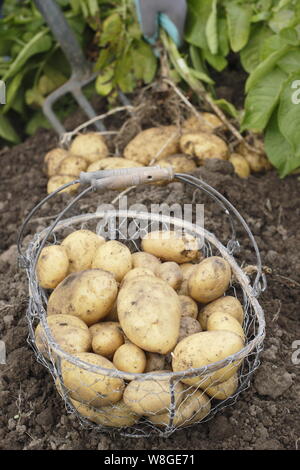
(193, 409)
(112, 163)
(130, 358)
(69, 332)
(154, 143)
(240, 164)
(90, 387)
(81, 246)
(171, 273)
(188, 326)
(53, 159)
(227, 304)
(189, 307)
(154, 361)
(57, 181)
(145, 260)
(171, 246)
(149, 313)
(52, 266)
(147, 397)
(257, 162)
(117, 415)
(107, 337)
(72, 165)
(88, 295)
(136, 272)
(224, 321)
(186, 269)
(204, 348)
(180, 163)
(223, 390)
(90, 146)
(204, 122)
(210, 279)
(203, 146)
(114, 257)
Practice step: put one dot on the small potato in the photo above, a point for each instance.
(72, 165)
(130, 358)
(117, 415)
(145, 260)
(92, 388)
(223, 390)
(258, 162)
(171, 246)
(136, 272)
(57, 181)
(88, 295)
(203, 122)
(171, 273)
(203, 146)
(186, 269)
(112, 163)
(91, 146)
(189, 308)
(240, 164)
(52, 266)
(53, 159)
(188, 327)
(154, 143)
(224, 321)
(154, 361)
(226, 304)
(210, 279)
(113, 257)
(180, 163)
(107, 337)
(81, 246)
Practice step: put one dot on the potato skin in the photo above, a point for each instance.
(114, 257)
(149, 313)
(112, 163)
(188, 327)
(171, 246)
(240, 164)
(136, 272)
(107, 337)
(53, 159)
(91, 146)
(204, 122)
(130, 358)
(204, 348)
(117, 415)
(210, 279)
(154, 362)
(57, 181)
(226, 304)
(189, 307)
(223, 390)
(224, 321)
(171, 273)
(72, 165)
(88, 295)
(81, 246)
(180, 163)
(145, 260)
(52, 266)
(203, 146)
(186, 269)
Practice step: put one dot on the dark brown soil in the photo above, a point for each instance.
(266, 416)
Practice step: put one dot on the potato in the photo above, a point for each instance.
(57, 181)
(145, 260)
(257, 162)
(171, 246)
(189, 308)
(223, 390)
(171, 273)
(88, 295)
(130, 358)
(240, 164)
(154, 143)
(107, 337)
(188, 327)
(154, 361)
(226, 304)
(52, 266)
(117, 415)
(186, 269)
(112, 163)
(69, 332)
(193, 409)
(53, 159)
(149, 313)
(72, 165)
(91, 146)
(92, 388)
(114, 257)
(204, 122)
(224, 321)
(81, 246)
(136, 272)
(180, 163)
(210, 279)
(204, 348)
(147, 397)
(203, 146)
(113, 314)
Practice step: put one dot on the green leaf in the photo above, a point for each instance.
(38, 121)
(289, 113)
(290, 63)
(7, 131)
(281, 19)
(290, 36)
(211, 29)
(229, 108)
(201, 76)
(262, 99)
(239, 24)
(198, 14)
(250, 54)
(218, 62)
(112, 28)
(223, 36)
(12, 89)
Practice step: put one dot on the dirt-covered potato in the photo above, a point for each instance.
(146, 397)
(136, 272)
(154, 361)
(145, 260)
(81, 246)
(154, 143)
(186, 269)
(227, 304)
(69, 332)
(112, 163)
(204, 348)
(188, 326)
(203, 122)
(180, 163)
(52, 266)
(240, 164)
(53, 159)
(171, 246)
(72, 165)
(117, 415)
(149, 312)
(223, 390)
(203, 146)
(171, 273)
(93, 388)
(189, 307)
(88, 295)
(210, 279)
(224, 321)
(91, 146)
(107, 337)
(258, 162)
(114, 257)
(57, 181)
(130, 358)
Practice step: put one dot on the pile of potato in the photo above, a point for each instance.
(183, 149)
(159, 310)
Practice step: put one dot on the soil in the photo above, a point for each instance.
(265, 416)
